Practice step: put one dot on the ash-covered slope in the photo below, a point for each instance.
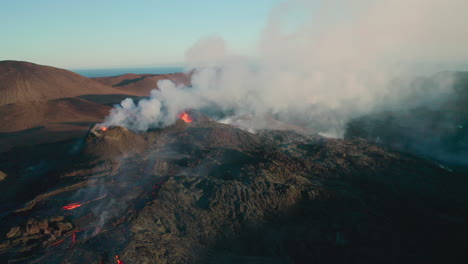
(204, 192)
(25, 82)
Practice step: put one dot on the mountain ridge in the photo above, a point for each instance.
(22, 81)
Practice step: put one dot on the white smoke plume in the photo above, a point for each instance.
(318, 64)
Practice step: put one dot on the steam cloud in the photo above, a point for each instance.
(318, 64)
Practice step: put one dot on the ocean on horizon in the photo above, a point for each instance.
(91, 73)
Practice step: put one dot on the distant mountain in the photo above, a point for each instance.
(40, 104)
(142, 84)
(25, 82)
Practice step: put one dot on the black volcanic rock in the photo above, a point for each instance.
(206, 192)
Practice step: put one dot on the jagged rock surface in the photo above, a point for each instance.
(210, 193)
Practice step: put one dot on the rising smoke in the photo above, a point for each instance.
(318, 64)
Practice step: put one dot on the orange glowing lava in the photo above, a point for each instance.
(58, 243)
(74, 237)
(186, 117)
(103, 129)
(72, 206)
(76, 205)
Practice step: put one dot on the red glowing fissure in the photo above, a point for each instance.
(186, 117)
(74, 235)
(76, 205)
(58, 242)
(72, 206)
(117, 258)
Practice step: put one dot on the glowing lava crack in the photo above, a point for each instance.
(186, 117)
(76, 205)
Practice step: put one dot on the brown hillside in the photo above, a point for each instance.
(24, 82)
(114, 80)
(47, 121)
(21, 116)
(142, 84)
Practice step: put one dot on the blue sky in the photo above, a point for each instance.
(115, 33)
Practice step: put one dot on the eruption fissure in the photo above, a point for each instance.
(186, 117)
(74, 235)
(78, 204)
(117, 258)
(58, 243)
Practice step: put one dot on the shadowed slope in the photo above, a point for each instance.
(47, 121)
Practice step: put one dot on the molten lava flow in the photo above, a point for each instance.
(76, 205)
(72, 206)
(58, 243)
(103, 129)
(74, 236)
(186, 117)
(117, 258)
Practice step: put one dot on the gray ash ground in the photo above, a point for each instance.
(207, 192)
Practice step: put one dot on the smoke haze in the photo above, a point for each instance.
(318, 64)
